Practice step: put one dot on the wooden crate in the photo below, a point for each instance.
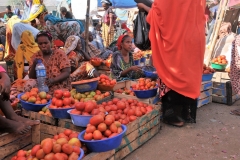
(138, 133)
(222, 89)
(128, 84)
(36, 116)
(67, 123)
(206, 94)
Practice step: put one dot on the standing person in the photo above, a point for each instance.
(27, 48)
(107, 23)
(173, 54)
(9, 13)
(17, 12)
(65, 14)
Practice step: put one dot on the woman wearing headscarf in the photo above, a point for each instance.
(122, 65)
(177, 56)
(79, 59)
(27, 48)
(63, 28)
(36, 9)
(107, 23)
(17, 12)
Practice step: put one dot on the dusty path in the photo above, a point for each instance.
(216, 136)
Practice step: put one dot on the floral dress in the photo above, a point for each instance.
(118, 65)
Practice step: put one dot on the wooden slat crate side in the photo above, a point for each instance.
(224, 100)
(219, 85)
(119, 95)
(219, 92)
(136, 144)
(139, 132)
(67, 123)
(15, 153)
(221, 77)
(7, 138)
(206, 86)
(204, 101)
(15, 146)
(98, 156)
(204, 94)
(36, 116)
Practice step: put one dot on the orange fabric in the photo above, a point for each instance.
(177, 40)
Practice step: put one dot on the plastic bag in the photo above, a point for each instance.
(141, 32)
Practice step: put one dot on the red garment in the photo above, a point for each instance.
(124, 26)
(58, 43)
(119, 41)
(2, 69)
(178, 43)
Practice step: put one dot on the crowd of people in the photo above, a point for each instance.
(60, 44)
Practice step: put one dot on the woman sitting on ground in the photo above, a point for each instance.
(25, 51)
(122, 66)
(80, 66)
(57, 64)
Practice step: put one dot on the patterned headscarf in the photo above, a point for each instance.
(71, 44)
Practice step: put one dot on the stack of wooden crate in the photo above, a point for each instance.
(206, 94)
(222, 89)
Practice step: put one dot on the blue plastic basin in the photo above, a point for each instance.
(103, 145)
(150, 74)
(79, 120)
(146, 93)
(137, 62)
(207, 77)
(81, 154)
(30, 106)
(60, 113)
(143, 60)
(86, 87)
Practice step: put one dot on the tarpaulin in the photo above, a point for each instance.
(121, 3)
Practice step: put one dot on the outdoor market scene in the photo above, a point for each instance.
(119, 79)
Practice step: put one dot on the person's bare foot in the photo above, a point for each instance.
(11, 126)
(25, 120)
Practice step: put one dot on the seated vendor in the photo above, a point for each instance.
(11, 123)
(57, 64)
(79, 59)
(122, 66)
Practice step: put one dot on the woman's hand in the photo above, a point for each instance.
(135, 68)
(5, 86)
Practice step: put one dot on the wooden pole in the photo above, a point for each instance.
(217, 28)
(87, 25)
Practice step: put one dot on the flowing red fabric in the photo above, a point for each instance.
(124, 26)
(58, 43)
(177, 40)
(119, 41)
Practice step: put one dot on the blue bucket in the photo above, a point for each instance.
(81, 154)
(60, 113)
(207, 77)
(143, 60)
(137, 62)
(79, 120)
(103, 145)
(146, 94)
(86, 87)
(30, 106)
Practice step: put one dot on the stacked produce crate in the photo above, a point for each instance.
(206, 94)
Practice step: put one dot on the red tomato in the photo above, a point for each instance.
(97, 135)
(67, 101)
(121, 105)
(54, 100)
(88, 136)
(89, 107)
(58, 94)
(66, 94)
(80, 106)
(74, 111)
(59, 103)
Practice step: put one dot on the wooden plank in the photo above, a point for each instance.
(8, 138)
(119, 95)
(136, 144)
(15, 153)
(15, 145)
(119, 85)
(36, 135)
(205, 94)
(67, 123)
(36, 116)
(221, 75)
(206, 85)
(98, 156)
(223, 99)
(219, 85)
(219, 92)
(127, 139)
(204, 101)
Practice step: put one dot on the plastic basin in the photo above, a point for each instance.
(86, 85)
(146, 93)
(30, 106)
(137, 62)
(207, 77)
(79, 120)
(143, 60)
(60, 113)
(218, 66)
(81, 154)
(150, 74)
(103, 145)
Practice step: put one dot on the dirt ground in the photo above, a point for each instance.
(215, 136)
